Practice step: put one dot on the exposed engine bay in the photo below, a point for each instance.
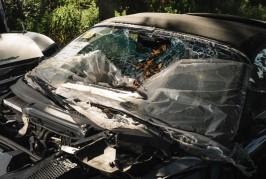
(75, 146)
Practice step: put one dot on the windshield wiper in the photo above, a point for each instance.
(54, 97)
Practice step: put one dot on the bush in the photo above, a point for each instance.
(61, 20)
(69, 20)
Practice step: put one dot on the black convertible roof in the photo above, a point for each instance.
(245, 35)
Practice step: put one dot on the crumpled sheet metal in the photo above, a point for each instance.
(204, 147)
(204, 96)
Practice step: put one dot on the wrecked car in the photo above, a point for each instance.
(148, 95)
(20, 52)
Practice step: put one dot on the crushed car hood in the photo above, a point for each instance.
(203, 112)
(201, 96)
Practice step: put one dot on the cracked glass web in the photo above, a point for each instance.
(140, 56)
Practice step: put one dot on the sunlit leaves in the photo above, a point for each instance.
(64, 19)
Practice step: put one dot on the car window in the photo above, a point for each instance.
(258, 77)
(132, 53)
(140, 55)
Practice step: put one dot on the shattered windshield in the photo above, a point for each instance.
(135, 54)
(184, 81)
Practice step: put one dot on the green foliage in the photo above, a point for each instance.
(256, 12)
(120, 13)
(14, 14)
(62, 20)
(65, 21)
(69, 20)
(247, 8)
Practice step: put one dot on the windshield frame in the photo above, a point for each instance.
(163, 33)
